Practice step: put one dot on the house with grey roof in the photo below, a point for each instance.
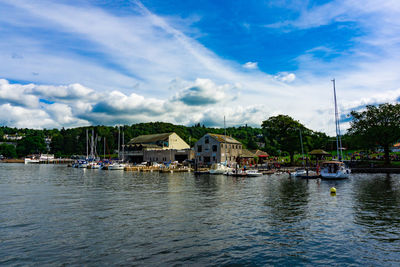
(217, 148)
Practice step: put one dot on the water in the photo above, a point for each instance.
(54, 215)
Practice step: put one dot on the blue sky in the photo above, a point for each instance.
(74, 63)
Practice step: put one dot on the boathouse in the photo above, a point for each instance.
(165, 147)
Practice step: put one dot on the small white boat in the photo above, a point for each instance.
(94, 165)
(238, 173)
(116, 166)
(31, 160)
(219, 168)
(253, 173)
(334, 170)
(298, 173)
(82, 164)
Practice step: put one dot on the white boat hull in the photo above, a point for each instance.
(117, 167)
(253, 173)
(343, 174)
(299, 173)
(31, 161)
(220, 169)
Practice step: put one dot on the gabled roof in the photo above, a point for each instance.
(260, 153)
(149, 138)
(221, 138)
(247, 154)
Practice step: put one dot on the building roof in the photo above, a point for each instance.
(247, 154)
(318, 152)
(149, 138)
(223, 138)
(260, 153)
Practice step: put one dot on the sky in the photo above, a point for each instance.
(109, 62)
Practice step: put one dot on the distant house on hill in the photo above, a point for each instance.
(12, 137)
(165, 147)
(217, 148)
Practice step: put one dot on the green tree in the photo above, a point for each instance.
(377, 125)
(8, 151)
(285, 130)
(31, 144)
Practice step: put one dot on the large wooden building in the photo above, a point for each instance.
(216, 148)
(165, 147)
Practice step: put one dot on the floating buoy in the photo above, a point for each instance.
(333, 190)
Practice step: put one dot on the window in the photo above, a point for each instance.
(213, 158)
(206, 140)
(214, 148)
(199, 148)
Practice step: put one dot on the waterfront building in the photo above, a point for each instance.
(165, 147)
(217, 148)
(247, 157)
(261, 155)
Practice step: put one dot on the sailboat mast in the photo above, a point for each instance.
(123, 146)
(119, 140)
(87, 145)
(92, 145)
(336, 120)
(226, 158)
(302, 149)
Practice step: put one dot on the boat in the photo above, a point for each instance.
(236, 173)
(94, 165)
(31, 160)
(219, 168)
(299, 173)
(116, 166)
(82, 164)
(253, 173)
(336, 169)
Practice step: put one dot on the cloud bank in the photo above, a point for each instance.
(83, 64)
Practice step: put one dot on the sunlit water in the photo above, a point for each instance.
(55, 215)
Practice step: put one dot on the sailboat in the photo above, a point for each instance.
(336, 169)
(119, 165)
(300, 171)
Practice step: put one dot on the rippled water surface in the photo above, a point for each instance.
(55, 215)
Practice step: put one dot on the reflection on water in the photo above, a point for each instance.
(54, 215)
(377, 202)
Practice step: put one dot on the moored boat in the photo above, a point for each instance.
(253, 173)
(31, 160)
(219, 168)
(116, 166)
(298, 173)
(334, 170)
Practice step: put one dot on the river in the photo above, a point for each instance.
(55, 215)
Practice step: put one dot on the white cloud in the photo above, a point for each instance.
(24, 117)
(70, 92)
(285, 77)
(16, 94)
(205, 92)
(251, 65)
